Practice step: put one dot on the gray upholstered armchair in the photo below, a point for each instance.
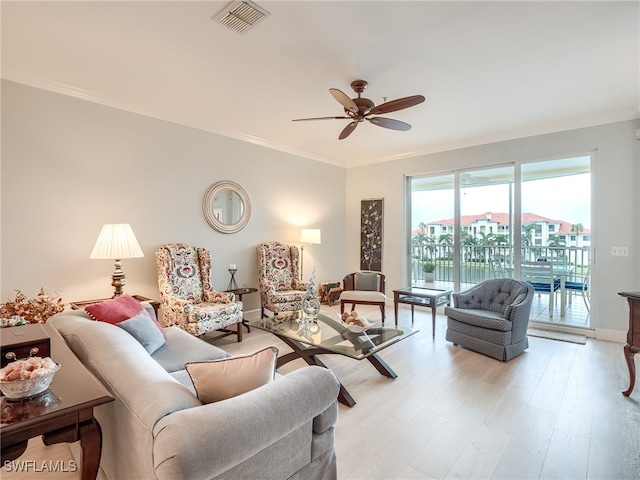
(491, 318)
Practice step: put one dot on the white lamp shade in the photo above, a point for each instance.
(310, 236)
(115, 242)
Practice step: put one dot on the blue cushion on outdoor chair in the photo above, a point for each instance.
(545, 287)
(575, 286)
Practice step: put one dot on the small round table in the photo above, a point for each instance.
(240, 292)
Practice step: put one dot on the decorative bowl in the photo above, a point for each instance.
(28, 387)
(356, 328)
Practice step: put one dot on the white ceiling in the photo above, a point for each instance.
(489, 70)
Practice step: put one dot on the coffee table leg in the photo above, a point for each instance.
(381, 366)
(309, 356)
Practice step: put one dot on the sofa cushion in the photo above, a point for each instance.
(363, 295)
(181, 347)
(479, 318)
(229, 377)
(142, 328)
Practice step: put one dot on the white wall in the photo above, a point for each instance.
(69, 166)
(616, 198)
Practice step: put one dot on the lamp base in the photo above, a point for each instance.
(117, 279)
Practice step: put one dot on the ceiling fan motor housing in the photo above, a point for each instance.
(364, 106)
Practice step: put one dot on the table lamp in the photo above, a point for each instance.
(115, 242)
(308, 236)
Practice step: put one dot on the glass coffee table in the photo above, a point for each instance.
(325, 334)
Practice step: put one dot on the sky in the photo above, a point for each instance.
(565, 198)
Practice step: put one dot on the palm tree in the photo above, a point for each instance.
(527, 238)
(577, 228)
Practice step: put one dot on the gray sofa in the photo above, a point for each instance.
(157, 427)
(491, 318)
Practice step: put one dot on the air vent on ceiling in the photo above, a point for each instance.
(241, 15)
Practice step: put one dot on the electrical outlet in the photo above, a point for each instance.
(619, 251)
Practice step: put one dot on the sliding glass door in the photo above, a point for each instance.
(471, 225)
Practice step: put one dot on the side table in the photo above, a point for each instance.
(633, 337)
(79, 305)
(422, 297)
(240, 292)
(64, 413)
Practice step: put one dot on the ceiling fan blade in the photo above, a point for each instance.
(399, 104)
(318, 118)
(389, 123)
(348, 129)
(344, 100)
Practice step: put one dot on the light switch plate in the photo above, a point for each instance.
(619, 251)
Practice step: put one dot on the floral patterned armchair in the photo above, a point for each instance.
(187, 298)
(281, 289)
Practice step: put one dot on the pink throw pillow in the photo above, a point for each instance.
(117, 310)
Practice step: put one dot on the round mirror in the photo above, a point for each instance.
(226, 207)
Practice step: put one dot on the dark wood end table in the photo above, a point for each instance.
(63, 413)
(422, 297)
(633, 337)
(240, 292)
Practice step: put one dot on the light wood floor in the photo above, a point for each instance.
(554, 412)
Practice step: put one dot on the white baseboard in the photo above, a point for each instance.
(609, 335)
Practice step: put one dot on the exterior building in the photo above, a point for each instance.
(541, 231)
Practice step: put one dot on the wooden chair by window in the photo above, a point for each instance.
(540, 276)
(364, 288)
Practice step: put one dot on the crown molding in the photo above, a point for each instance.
(35, 81)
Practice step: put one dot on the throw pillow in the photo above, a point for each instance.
(116, 310)
(142, 328)
(366, 281)
(228, 377)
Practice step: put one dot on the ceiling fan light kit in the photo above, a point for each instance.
(359, 109)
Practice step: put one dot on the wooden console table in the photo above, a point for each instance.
(64, 413)
(633, 337)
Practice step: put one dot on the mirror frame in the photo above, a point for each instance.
(207, 207)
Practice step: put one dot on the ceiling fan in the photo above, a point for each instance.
(359, 109)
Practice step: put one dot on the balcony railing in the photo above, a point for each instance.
(476, 260)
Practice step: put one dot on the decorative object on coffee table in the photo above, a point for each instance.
(310, 302)
(116, 242)
(371, 217)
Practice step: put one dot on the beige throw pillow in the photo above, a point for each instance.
(228, 377)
